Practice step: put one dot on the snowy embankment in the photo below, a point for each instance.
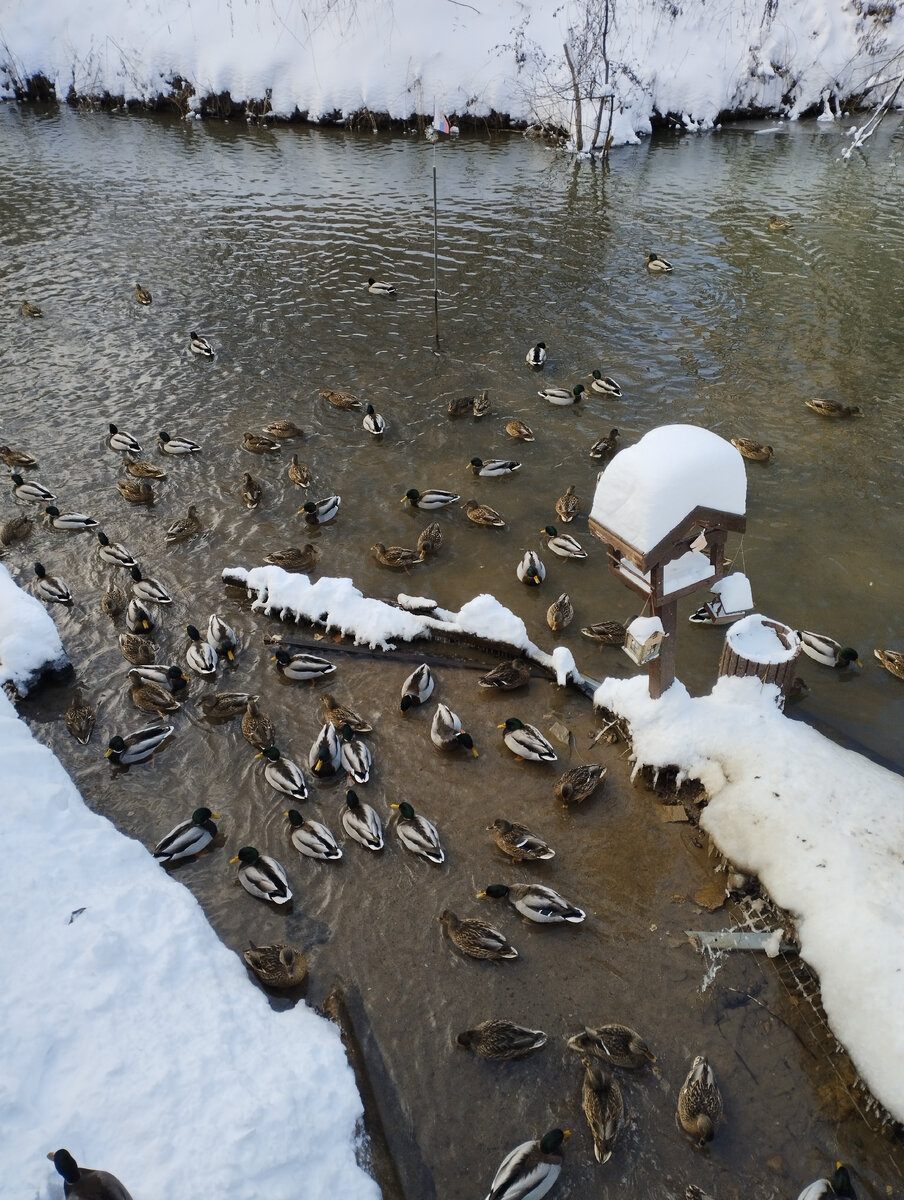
(692, 58)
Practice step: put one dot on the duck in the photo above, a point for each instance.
(189, 837)
(325, 755)
(142, 295)
(446, 732)
(86, 1183)
(259, 444)
(700, 1102)
(604, 384)
(578, 783)
(200, 656)
(222, 637)
(298, 473)
(184, 527)
(355, 756)
(200, 345)
(340, 714)
(482, 514)
(603, 1106)
(149, 589)
(519, 430)
(262, 876)
(755, 451)
(15, 529)
(605, 445)
(562, 397)
(312, 838)
(476, 938)
(530, 569)
(430, 539)
(480, 404)
(507, 676)
(839, 1187)
(417, 834)
(563, 544)
(826, 650)
(373, 423)
(142, 469)
(113, 601)
(283, 429)
(430, 499)
(301, 667)
(51, 588)
(176, 445)
(378, 288)
(459, 405)
(72, 522)
(114, 552)
(137, 747)
(17, 458)
(257, 728)
(122, 442)
(607, 633)
(519, 843)
(831, 408)
(535, 902)
(891, 660)
(362, 822)
(536, 356)
(171, 676)
(502, 1040)
(80, 718)
(526, 741)
(658, 264)
(225, 706)
(560, 613)
(282, 774)
(493, 468)
(343, 400)
(137, 650)
(294, 558)
(531, 1169)
(31, 310)
(396, 557)
(417, 688)
(138, 618)
(277, 965)
(617, 1045)
(319, 512)
(136, 491)
(568, 506)
(153, 697)
(779, 225)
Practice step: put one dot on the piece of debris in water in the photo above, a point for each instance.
(769, 940)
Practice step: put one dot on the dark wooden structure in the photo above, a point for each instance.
(780, 672)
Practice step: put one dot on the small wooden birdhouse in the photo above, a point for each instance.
(643, 639)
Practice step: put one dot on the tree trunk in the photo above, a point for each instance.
(578, 117)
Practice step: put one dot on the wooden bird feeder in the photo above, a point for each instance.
(643, 640)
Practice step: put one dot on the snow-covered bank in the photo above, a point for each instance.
(694, 58)
(29, 643)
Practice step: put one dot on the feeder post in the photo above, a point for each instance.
(662, 669)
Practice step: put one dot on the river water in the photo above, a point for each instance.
(262, 240)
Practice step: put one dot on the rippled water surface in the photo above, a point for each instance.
(262, 240)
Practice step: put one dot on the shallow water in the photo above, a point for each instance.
(262, 240)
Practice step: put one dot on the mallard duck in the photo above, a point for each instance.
(142, 295)
(138, 618)
(373, 422)
(122, 442)
(530, 1170)
(50, 588)
(502, 1040)
(318, 512)
(113, 601)
(568, 506)
(301, 667)
(153, 697)
(200, 345)
(560, 613)
(617, 1045)
(826, 650)
(446, 732)
(577, 784)
(15, 529)
(222, 637)
(200, 656)
(476, 938)
(417, 834)
(344, 400)
(189, 837)
(656, 263)
(258, 443)
(171, 677)
(519, 843)
(482, 514)
(430, 499)
(298, 473)
(31, 310)
(397, 557)
(519, 430)
(277, 965)
(562, 397)
(563, 544)
(72, 522)
(225, 706)
(605, 446)
(891, 660)
(262, 876)
(282, 774)
(700, 1102)
(136, 491)
(80, 718)
(779, 225)
(86, 1183)
(493, 468)
(604, 384)
(17, 458)
(755, 451)
(535, 902)
(480, 404)
(362, 822)
(251, 491)
(536, 356)
(356, 756)
(830, 408)
(839, 1187)
(507, 676)
(312, 838)
(283, 429)
(378, 288)
(136, 649)
(137, 747)
(294, 558)
(430, 539)
(142, 469)
(340, 714)
(257, 728)
(149, 589)
(325, 755)
(607, 633)
(114, 552)
(176, 445)
(526, 741)
(530, 569)
(459, 405)
(603, 1106)
(184, 527)
(417, 688)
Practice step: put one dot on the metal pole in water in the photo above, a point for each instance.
(435, 282)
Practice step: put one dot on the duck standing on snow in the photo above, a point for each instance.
(826, 650)
(262, 876)
(536, 356)
(86, 1183)
(189, 837)
(700, 1102)
(535, 902)
(526, 741)
(312, 838)
(530, 1170)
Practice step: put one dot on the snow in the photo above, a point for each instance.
(734, 592)
(30, 642)
(642, 628)
(756, 638)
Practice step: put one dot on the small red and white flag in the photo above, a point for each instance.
(440, 123)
